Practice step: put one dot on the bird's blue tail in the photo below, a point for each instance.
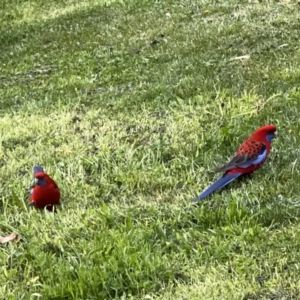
(37, 169)
(218, 184)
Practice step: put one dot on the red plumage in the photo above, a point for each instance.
(257, 143)
(248, 158)
(44, 192)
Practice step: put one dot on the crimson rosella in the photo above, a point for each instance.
(248, 158)
(44, 192)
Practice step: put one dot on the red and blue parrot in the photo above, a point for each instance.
(248, 158)
(44, 192)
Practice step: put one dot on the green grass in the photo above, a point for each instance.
(128, 105)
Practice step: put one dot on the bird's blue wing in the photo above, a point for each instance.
(244, 160)
(262, 155)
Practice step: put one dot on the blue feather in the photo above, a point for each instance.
(37, 169)
(270, 136)
(40, 181)
(218, 184)
(259, 159)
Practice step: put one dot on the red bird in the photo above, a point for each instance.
(44, 192)
(248, 158)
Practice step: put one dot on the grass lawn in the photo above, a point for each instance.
(128, 105)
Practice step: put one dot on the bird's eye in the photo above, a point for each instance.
(38, 179)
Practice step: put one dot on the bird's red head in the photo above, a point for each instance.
(266, 132)
(40, 175)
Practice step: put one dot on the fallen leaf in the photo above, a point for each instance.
(242, 57)
(36, 294)
(9, 238)
(283, 45)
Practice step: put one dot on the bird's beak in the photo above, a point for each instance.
(36, 181)
(32, 203)
(275, 134)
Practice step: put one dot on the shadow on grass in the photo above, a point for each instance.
(106, 63)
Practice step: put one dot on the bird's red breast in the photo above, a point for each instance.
(45, 195)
